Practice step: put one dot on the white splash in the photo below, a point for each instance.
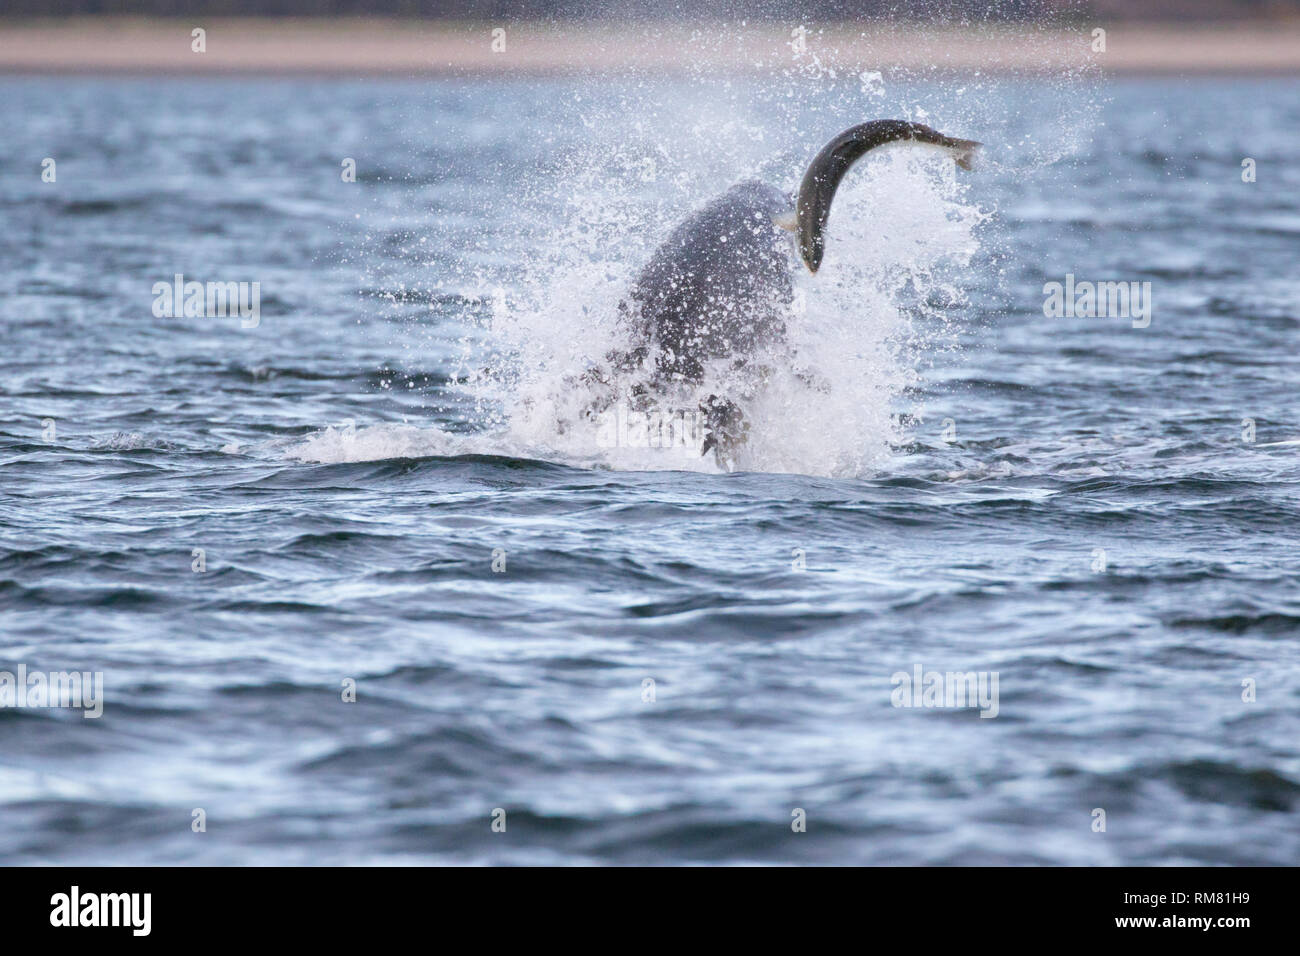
(336, 445)
(901, 227)
(624, 164)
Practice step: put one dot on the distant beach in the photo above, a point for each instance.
(412, 47)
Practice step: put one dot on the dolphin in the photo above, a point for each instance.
(720, 286)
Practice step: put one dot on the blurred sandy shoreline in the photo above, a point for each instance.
(411, 47)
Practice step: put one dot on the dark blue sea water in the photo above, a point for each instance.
(1103, 516)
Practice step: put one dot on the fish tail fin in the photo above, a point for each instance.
(963, 151)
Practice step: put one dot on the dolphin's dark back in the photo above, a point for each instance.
(719, 283)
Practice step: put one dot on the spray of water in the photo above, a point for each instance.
(904, 228)
(622, 166)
